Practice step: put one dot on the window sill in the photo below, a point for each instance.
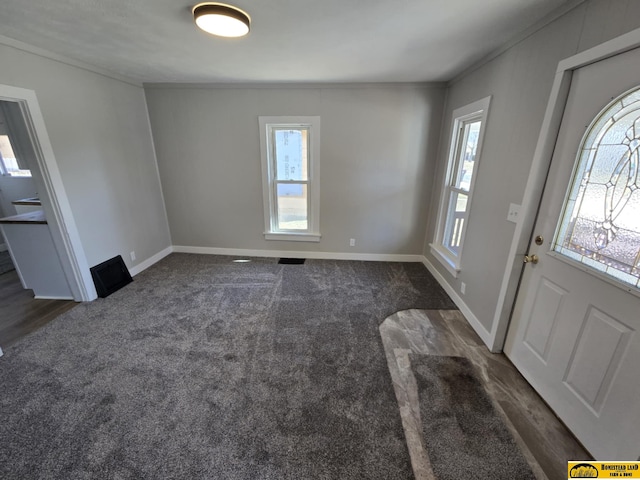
(293, 237)
(444, 259)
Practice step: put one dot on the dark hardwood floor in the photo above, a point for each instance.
(20, 313)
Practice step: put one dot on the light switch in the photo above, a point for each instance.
(514, 212)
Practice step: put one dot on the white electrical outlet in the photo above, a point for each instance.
(133, 256)
(463, 288)
(514, 211)
(352, 242)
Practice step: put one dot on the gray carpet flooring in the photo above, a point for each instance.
(6, 265)
(207, 369)
(465, 437)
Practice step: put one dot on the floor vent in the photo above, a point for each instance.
(291, 261)
(110, 276)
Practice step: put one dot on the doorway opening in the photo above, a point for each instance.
(50, 190)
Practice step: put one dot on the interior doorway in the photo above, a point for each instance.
(51, 192)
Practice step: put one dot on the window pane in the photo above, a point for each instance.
(455, 222)
(291, 153)
(600, 226)
(9, 160)
(292, 206)
(467, 154)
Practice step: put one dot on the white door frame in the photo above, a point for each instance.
(538, 175)
(56, 205)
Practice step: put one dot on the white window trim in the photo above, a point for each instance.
(441, 254)
(460, 115)
(312, 234)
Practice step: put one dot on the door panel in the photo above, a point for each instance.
(600, 348)
(573, 334)
(544, 317)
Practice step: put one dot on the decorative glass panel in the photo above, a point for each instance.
(291, 153)
(292, 206)
(600, 226)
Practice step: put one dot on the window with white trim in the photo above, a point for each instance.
(464, 156)
(14, 140)
(290, 151)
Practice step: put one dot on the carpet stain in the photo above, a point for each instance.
(464, 435)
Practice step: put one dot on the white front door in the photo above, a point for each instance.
(574, 331)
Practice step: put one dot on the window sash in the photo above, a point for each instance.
(457, 191)
(275, 181)
(463, 135)
(455, 221)
(293, 215)
(275, 216)
(305, 133)
(456, 170)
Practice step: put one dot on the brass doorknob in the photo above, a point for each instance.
(531, 259)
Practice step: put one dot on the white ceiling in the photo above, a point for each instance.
(290, 40)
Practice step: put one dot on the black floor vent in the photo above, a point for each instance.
(110, 276)
(291, 261)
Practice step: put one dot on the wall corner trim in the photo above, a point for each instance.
(482, 332)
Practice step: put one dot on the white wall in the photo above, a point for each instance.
(101, 138)
(520, 81)
(12, 189)
(376, 163)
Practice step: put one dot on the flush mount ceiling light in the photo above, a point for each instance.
(222, 20)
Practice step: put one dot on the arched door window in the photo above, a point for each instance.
(600, 225)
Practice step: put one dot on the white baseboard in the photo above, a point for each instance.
(240, 252)
(3, 247)
(150, 261)
(484, 334)
(52, 297)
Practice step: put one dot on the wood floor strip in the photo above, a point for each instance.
(20, 313)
